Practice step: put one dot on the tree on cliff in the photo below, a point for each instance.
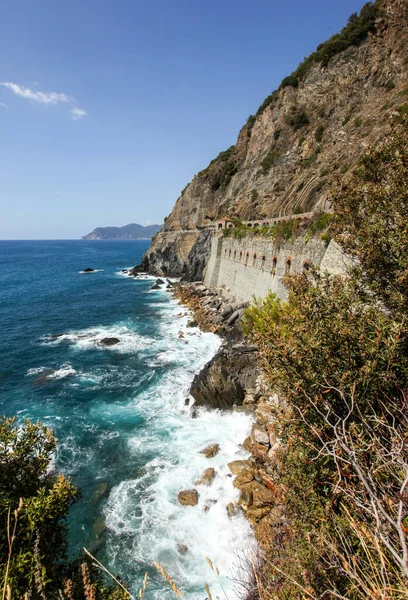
(338, 351)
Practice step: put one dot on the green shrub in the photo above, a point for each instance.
(299, 120)
(319, 133)
(277, 134)
(269, 160)
(390, 85)
(309, 160)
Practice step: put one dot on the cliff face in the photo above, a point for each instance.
(306, 132)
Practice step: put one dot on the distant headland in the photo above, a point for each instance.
(133, 231)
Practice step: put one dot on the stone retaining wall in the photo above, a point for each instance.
(255, 266)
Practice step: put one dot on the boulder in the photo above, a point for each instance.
(247, 444)
(262, 495)
(211, 450)
(246, 493)
(169, 283)
(260, 437)
(273, 452)
(255, 514)
(260, 451)
(226, 311)
(264, 413)
(235, 316)
(231, 510)
(245, 476)
(207, 477)
(249, 399)
(155, 286)
(88, 270)
(192, 323)
(188, 497)
(159, 282)
(236, 466)
(109, 341)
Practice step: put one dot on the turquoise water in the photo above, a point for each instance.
(127, 438)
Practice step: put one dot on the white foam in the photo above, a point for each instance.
(129, 340)
(65, 370)
(62, 372)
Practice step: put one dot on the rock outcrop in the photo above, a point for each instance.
(313, 127)
(188, 497)
(223, 381)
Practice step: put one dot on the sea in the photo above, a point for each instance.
(127, 437)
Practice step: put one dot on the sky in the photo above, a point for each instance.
(109, 107)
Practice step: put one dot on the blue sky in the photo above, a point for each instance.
(111, 106)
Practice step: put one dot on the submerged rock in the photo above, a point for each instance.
(188, 497)
(231, 510)
(109, 341)
(211, 450)
(182, 549)
(207, 477)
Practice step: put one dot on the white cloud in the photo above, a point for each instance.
(78, 114)
(40, 97)
(3, 105)
(46, 98)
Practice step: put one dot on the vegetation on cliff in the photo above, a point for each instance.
(337, 350)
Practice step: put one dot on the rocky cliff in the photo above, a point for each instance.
(314, 127)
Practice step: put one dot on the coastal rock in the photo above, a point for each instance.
(273, 452)
(224, 380)
(255, 514)
(262, 495)
(247, 444)
(159, 282)
(192, 323)
(109, 341)
(188, 497)
(235, 316)
(88, 270)
(260, 437)
(211, 450)
(155, 286)
(259, 451)
(245, 476)
(231, 510)
(226, 311)
(236, 466)
(207, 477)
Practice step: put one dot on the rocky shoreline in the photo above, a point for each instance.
(233, 379)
